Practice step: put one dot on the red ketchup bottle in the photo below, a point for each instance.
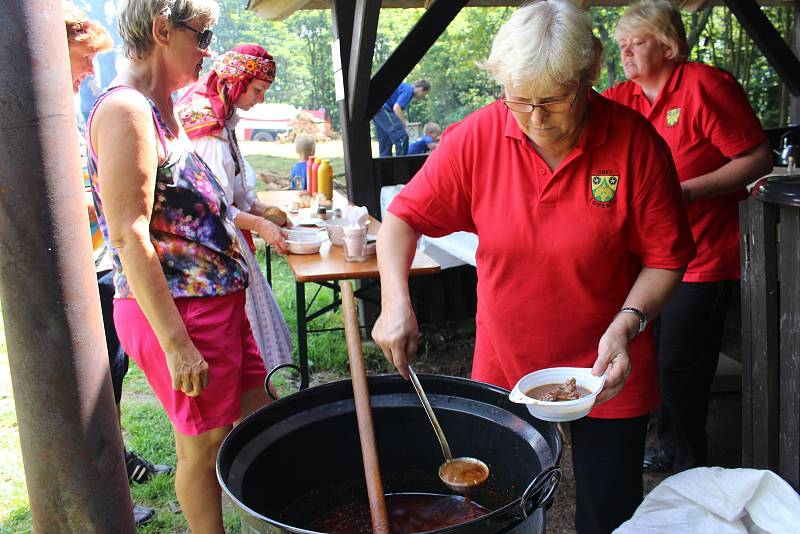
(309, 164)
(314, 172)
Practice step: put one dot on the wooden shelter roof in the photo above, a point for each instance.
(279, 9)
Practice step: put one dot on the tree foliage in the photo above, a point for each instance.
(301, 46)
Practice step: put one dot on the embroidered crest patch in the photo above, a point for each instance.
(672, 116)
(604, 187)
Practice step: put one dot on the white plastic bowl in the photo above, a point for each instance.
(305, 244)
(558, 412)
(299, 232)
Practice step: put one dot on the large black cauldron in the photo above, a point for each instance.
(299, 458)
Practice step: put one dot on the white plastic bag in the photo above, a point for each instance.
(720, 501)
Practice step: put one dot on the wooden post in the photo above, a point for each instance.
(760, 337)
(789, 275)
(361, 187)
(68, 429)
(745, 231)
(794, 100)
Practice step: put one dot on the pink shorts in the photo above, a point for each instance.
(219, 328)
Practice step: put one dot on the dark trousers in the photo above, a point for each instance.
(117, 359)
(607, 459)
(390, 131)
(689, 335)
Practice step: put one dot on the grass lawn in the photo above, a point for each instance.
(144, 424)
(278, 158)
(147, 429)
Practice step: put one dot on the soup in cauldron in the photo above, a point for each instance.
(407, 513)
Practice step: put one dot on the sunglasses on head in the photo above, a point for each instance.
(78, 28)
(203, 37)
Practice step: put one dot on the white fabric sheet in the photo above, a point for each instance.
(722, 501)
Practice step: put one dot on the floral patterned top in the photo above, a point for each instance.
(190, 226)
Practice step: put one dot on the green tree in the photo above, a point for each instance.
(301, 47)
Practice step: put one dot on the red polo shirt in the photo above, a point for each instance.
(559, 251)
(703, 114)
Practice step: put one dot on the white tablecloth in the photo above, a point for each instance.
(449, 251)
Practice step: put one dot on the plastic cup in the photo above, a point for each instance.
(355, 248)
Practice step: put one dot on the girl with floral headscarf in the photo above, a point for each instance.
(239, 79)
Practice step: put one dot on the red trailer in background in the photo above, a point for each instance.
(280, 122)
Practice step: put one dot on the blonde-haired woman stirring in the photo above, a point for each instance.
(585, 240)
(178, 271)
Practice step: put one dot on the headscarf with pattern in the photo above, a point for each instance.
(208, 103)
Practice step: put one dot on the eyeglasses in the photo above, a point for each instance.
(547, 107)
(203, 37)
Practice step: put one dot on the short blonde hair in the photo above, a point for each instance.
(660, 19)
(304, 145)
(432, 128)
(544, 45)
(135, 20)
(81, 30)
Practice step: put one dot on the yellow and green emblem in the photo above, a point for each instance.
(672, 116)
(604, 188)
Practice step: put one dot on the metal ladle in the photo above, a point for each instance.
(459, 474)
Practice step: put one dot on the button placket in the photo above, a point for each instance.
(549, 187)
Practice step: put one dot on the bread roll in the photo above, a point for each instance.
(275, 215)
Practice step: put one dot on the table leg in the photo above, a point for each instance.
(302, 333)
(336, 299)
(268, 254)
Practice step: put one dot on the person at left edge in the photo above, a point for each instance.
(85, 39)
(586, 239)
(391, 125)
(179, 273)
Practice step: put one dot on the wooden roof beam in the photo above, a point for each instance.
(365, 30)
(280, 9)
(767, 38)
(409, 52)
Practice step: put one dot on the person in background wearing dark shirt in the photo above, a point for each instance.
(391, 126)
(428, 141)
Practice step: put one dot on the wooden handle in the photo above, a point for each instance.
(358, 373)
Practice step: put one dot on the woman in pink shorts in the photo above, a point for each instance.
(179, 274)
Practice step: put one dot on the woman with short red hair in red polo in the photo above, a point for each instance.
(718, 147)
(577, 207)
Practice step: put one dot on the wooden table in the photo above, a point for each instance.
(325, 268)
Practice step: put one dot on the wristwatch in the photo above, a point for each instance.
(639, 315)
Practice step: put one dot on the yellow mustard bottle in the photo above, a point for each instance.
(325, 179)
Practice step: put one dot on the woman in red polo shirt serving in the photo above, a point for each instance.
(579, 214)
(718, 147)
